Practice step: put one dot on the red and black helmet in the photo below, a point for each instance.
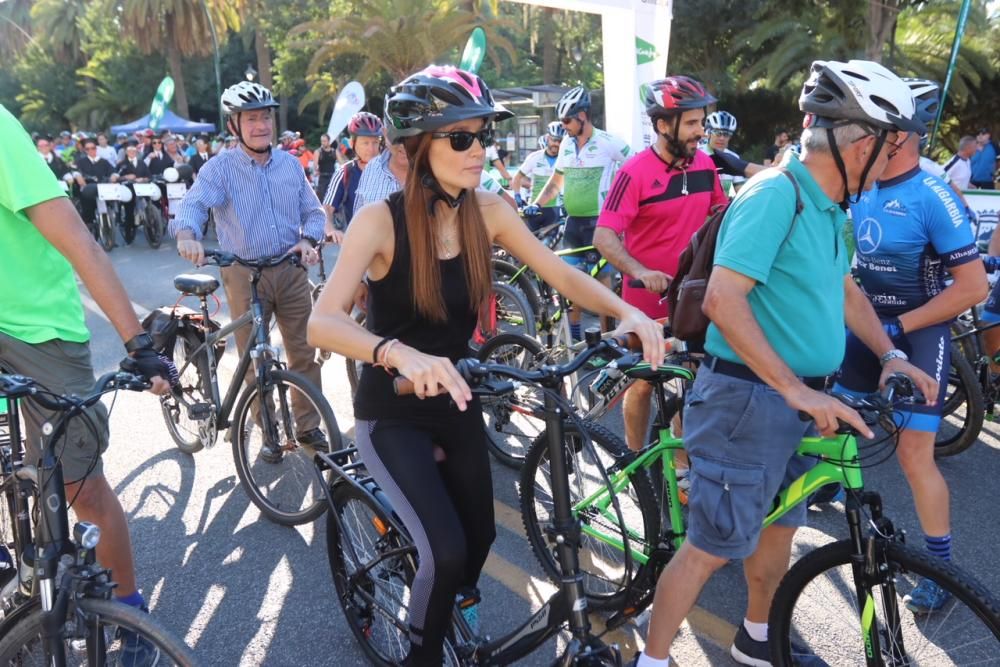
(364, 124)
(675, 94)
(435, 97)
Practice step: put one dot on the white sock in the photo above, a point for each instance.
(646, 661)
(757, 631)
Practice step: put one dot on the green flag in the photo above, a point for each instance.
(963, 16)
(475, 51)
(164, 93)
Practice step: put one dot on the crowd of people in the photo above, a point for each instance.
(417, 215)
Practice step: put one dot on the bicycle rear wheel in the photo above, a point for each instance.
(512, 314)
(276, 470)
(512, 420)
(963, 408)
(602, 564)
(107, 635)
(504, 272)
(189, 398)
(817, 607)
(371, 572)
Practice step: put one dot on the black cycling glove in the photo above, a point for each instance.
(150, 364)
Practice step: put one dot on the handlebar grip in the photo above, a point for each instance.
(635, 282)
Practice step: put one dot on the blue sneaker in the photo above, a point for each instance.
(468, 603)
(136, 650)
(926, 597)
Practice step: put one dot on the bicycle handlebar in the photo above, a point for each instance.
(878, 405)
(20, 386)
(227, 259)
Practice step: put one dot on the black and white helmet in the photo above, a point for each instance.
(575, 100)
(247, 96)
(858, 91)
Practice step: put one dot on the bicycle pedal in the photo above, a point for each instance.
(199, 411)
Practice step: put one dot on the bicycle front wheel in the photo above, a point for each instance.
(106, 231)
(274, 456)
(111, 633)
(963, 410)
(372, 573)
(816, 608)
(602, 560)
(153, 225)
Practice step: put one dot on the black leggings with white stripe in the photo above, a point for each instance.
(447, 507)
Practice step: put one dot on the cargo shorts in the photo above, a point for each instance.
(64, 368)
(741, 437)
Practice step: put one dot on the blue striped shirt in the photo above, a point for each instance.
(377, 182)
(260, 210)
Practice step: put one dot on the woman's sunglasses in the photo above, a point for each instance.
(462, 141)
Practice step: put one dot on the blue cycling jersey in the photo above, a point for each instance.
(907, 231)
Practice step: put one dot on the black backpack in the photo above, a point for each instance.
(686, 292)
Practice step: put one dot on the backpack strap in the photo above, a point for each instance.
(798, 202)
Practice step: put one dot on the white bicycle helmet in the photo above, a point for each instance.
(858, 91)
(575, 100)
(555, 130)
(247, 96)
(721, 121)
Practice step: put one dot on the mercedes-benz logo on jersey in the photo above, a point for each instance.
(869, 236)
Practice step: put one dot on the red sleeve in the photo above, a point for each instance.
(622, 203)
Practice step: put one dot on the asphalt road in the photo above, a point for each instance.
(243, 591)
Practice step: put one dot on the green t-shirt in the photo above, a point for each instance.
(798, 300)
(39, 298)
(588, 171)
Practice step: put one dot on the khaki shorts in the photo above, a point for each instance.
(63, 368)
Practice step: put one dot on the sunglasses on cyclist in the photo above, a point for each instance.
(570, 119)
(462, 141)
(721, 133)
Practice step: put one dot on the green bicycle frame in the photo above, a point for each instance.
(838, 462)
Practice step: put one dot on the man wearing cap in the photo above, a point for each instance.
(780, 299)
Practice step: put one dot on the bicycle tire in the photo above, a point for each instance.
(837, 601)
(353, 365)
(511, 426)
(106, 231)
(154, 226)
(189, 435)
(513, 314)
(606, 588)
(21, 643)
(128, 229)
(382, 640)
(285, 491)
(951, 439)
(505, 272)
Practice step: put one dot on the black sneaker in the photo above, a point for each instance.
(747, 651)
(313, 439)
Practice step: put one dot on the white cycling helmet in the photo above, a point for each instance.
(721, 121)
(247, 96)
(555, 130)
(858, 91)
(543, 141)
(575, 100)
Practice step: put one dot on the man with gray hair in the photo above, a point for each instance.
(959, 169)
(779, 298)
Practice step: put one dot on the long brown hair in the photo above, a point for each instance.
(425, 270)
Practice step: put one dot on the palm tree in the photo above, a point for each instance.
(397, 37)
(182, 28)
(58, 23)
(15, 27)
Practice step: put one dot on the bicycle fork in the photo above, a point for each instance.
(870, 568)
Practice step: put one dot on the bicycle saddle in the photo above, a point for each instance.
(198, 284)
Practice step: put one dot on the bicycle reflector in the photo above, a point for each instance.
(87, 534)
(380, 526)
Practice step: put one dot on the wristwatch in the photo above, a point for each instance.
(141, 341)
(893, 354)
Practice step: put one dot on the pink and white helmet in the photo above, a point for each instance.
(435, 97)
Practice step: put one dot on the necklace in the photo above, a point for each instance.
(448, 244)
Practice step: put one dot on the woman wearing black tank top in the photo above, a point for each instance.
(426, 254)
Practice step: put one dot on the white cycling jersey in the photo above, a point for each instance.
(589, 171)
(932, 167)
(538, 168)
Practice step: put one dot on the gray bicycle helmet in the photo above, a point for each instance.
(575, 100)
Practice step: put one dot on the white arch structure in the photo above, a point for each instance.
(636, 37)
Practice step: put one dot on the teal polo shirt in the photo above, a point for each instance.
(798, 300)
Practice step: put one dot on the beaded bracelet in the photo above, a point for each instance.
(384, 362)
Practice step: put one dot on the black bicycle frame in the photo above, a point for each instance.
(258, 338)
